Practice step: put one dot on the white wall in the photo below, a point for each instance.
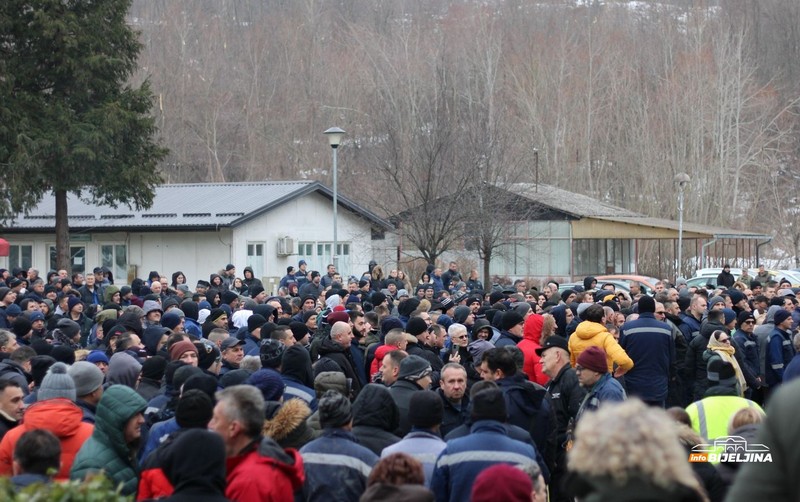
(308, 218)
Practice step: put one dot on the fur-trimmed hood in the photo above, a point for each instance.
(286, 423)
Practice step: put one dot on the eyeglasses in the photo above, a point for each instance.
(724, 340)
(578, 368)
(661, 313)
(462, 337)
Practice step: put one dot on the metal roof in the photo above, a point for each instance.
(583, 206)
(189, 205)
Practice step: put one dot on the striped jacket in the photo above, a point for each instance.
(464, 458)
(337, 467)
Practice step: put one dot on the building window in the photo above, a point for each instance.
(533, 249)
(603, 256)
(319, 254)
(20, 255)
(115, 258)
(255, 258)
(77, 258)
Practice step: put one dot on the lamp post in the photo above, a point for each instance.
(335, 136)
(682, 179)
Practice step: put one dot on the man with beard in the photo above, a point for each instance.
(115, 440)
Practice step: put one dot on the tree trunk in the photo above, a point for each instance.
(62, 232)
(487, 261)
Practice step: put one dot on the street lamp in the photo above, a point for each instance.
(682, 179)
(335, 136)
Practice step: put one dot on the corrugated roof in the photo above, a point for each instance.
(187, 205)
(583, 206)
(568, 202)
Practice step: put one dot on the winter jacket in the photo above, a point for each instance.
(401, 391)
(286, 423)
(194, 465)
(148, 388)
(747, 345)
(153, 482)
(725, 279)
(507, 339)
(252, 345)
(463, 459)
(375, 418)
(423, 445)
(11, 370)
(605, 390)
(589, 334)
(531, 335)
(453, 416)
(59, 416)
(762, 334)
(779, 354)
(6, 424)
(690, 326)
(648, 342)
(729, 470)
(106, 450)
(337, 467)
(695, 364)
(529, 408)
(264, 471)
(792, 370)
(566, 396)
(377, 359)
(344, 360)
(158, 433)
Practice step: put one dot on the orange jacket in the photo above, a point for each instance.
(531, 334)
(593, 333)
(60, 416)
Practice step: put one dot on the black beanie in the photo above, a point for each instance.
(64, 354)
(39, 366)
(21, 327)
(203, 382)
(489, 404)
(299, 330)
(255, 321)
(416, 326)
(154, 367)
(190, 309)
(377, 298)
(647, 304)
(194, 409)
(406, 307)
(425, 409)
(228, 297)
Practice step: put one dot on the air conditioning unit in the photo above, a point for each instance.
(285, 246)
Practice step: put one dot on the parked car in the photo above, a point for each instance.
(649, 283)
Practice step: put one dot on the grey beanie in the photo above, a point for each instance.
(57, 383)
(413, 368)
(334, 410)
(86, 376)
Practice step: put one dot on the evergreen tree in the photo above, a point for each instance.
(70, 120)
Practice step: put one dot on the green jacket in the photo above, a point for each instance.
(106, 449)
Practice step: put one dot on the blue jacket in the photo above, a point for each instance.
(507, 339)
(606, 389)
(336, 466)
(689, 326)
(779, 354)
(358, 357)
(295, 389)
(158, 433)
(749, 345)
(251, 345)
(190, 326)
(648, 342)
(792, 369)
(464, 458)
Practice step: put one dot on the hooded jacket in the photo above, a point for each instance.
(107, 450)
(649, 344)
(286, 423)
(595, 334)
(529, 408)
(532, 333)
(60, 416)
(264, 471)
(375, 418)
(696, 363)
(123, 369)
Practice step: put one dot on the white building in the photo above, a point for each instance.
(199, 228)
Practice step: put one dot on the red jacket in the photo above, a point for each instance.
(380, 352)
(60, 416)
(531, 334)
(265, 476)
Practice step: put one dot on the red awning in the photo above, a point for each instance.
(4, 247)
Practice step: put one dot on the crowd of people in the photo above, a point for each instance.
(377, 388)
